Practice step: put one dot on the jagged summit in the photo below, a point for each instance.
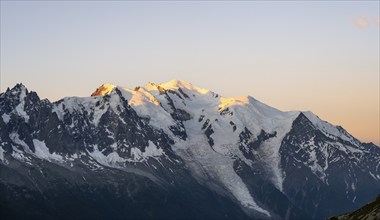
(103, 89)
(143, 97)
(18, 88)
(170, 85)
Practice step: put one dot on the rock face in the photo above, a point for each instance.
(175, 151)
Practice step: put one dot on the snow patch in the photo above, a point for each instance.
(373, 176)
(19, 155)
(20, 108)
(112, 160)
(98, 113)
(2, 154)
(150, 151)
(6, 118)
(41, 151)
(58, 110)
(136, 154)
(16, 139)
(353, 186)
(98, 156)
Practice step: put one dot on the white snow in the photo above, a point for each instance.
(176, 84)
(247, 112)
(256, 116)
(136, 154)
(208, 165)
(20, 107)
(19, 155)
(313, 163)
(114, 160)
(150, 151)
(147, 105)
(16, 139)
(354, 150)
(326, 127)
(214, 163)
(58, 109)
(103, 90)
(2, 153)
(98, 156)
(373, 176)
(98, 113)
(353, 187)
(41, 151)
(6, 118)
(81, 105)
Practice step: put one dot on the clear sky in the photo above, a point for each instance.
(321, 56)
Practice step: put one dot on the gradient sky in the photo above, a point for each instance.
(320, 56)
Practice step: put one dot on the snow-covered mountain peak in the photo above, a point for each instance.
(180, 84)
(19, 86)
(151, 87)
(228, 102)
(139, 96)
(18, 90)
(329, 129)
(16, 100)
(103, 89)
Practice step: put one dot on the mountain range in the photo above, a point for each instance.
(175, 151)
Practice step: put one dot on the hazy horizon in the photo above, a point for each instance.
(310, 56)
